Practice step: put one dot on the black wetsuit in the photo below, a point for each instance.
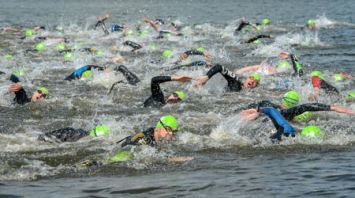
(64, 135)
(291, 113)
(234, 83)
(132, 44)
(324, 85)
(103, 26)
(20, 95)
(157, 97)
(141, 138)
(131, 77)
(193, 52)
(297, 66)
(195, 63)
(257, 37)
(241, 26)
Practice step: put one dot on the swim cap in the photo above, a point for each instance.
(338, 77)
(257, 41)
(143, 32)
(255, 76)
(168, 121)
(311, 22)
(284, 65)
(87, 74)
(152, 46)
(40, 46)
(99, 130)
(19, 72)
(351, 95)
(304, 117)
(8, 56)
(122, 156)
(181, 95)
(266, 21)
(201, 49)
(166, 54)
(68, 56)
(129, 32)
(60, 46)
(99, 52)
(312, 131)
(317, 73)
(44, 90)
(290, 99)
(29, 32)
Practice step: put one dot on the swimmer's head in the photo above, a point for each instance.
(29, 32)
(87, 74)
(40, 46)
(166, 54)
(351, 95)
(8, 56)
(311, 24)
(317, 73)
(19, 72)
(168, 122)
(252, 81)
(41, 93)
(60, 46)
(129, 32)
(284, 65)
(99, 130)
(176, 97)
(266, 21)
(68, 56)
(312, 131)
(122, 156)
(290, 99)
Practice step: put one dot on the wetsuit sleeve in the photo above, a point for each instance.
(157, 95)
(263, 103)
(257, 37)
(66, 134)
(195, 63)
(316, 82)
(193, 52)
(131, 77)
(234, 84)
(241, 26)
(297, 67)
(280, 123)
(100, 68)
(292, 112)
(21, 97)
(132, 44)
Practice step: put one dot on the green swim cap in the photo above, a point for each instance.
(312, 131)
(304, 117)
(44, 90)
(60, 46)
(143, 32)
(68, 56)
(167, 53)
(284, 64)
(338, 77)
(201, 49)
(311, 22)
(19, 72)
(40, 46)
(129, 32)
(181, 95)
(87, 74)
(266, 21)
(256, 76)
(29, 32)
(317, 73)
(168, 121)
(257, 41)
(351, 95)
(99, 130)
(8, 56)
(99, 52)
(122, 156)
(152, 46)
(290, 99)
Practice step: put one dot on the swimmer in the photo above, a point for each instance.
(311, 24)
(72, 135)
(244, 23)
(190, 65)
(319, 84)
(118, 28)
(194, 52)
(133, 45)
(157, 98)
(163, 33)
(256, 38)
(21, 95)
(101, 22)
(234, 83)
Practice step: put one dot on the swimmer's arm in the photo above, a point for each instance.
(297, 71)
(20, 93)
(100, 68)
(152, 23)
(341, 109)
(155, 84)
(298, 110)
(248, 69)
(316, 83)
(250, 114)
(179, 159)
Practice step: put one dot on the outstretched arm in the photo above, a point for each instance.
(341, 109)
(152, 23)
(248, 69)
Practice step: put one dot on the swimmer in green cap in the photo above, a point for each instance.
(21, 95)
(162, 33)
(234, 83)
(194, 52)
(72, 135)
(157, 98)
(311, 24)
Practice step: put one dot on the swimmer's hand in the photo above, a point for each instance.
(284, 55)
(15, 87)
(181, 78)
(200, 81)
(249, 114)
(102, 18)
(179, 159)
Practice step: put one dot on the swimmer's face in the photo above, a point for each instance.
(173, 98)
(283, 55)
(38, 95)
(311, 27)
(250, 83)
(162, 134)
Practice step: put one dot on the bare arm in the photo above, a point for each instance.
(152, 23)
(341, 109)
(248, 69)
